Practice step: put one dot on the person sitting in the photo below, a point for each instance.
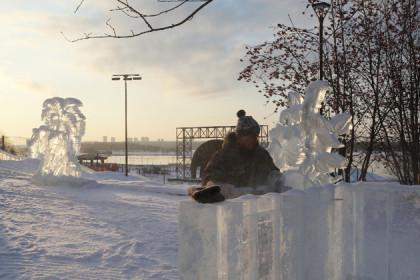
(241, 167)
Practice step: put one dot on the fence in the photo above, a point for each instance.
(366, 231)
(13, 145)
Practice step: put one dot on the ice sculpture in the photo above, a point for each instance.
(57, 142)
(363, 231)
(301, 142)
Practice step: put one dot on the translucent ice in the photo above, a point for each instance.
(57, 142)
(301, 142)
(340, 231)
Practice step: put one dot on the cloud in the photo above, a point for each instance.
(202, 55)
(199, 59)
(196, 64)
(37, 88)
(13, 85)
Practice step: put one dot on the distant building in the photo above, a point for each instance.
(136, 139)
(113, 139)
(105, 139)
(145, 139)
(130, 140)
(161, 140)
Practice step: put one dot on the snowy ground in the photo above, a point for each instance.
(117, 228)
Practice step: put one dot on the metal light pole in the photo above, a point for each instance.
(126, 77)
(321, 10)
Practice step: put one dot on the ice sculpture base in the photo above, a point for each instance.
(51, 180)
(344, 231)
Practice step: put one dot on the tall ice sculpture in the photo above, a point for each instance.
(302, 141)
(57, 142)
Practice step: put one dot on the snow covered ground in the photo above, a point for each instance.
(118, 228)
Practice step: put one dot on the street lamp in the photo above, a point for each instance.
(321, 10)
(126, 77)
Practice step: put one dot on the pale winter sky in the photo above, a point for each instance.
(189, 73)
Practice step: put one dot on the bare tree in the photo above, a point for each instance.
(131, 11)
(400, 133)
(289, 63)
(371, 62)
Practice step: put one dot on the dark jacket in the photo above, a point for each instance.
(238, 166)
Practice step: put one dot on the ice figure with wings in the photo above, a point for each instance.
(302, 141)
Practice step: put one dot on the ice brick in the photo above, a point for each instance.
(371, 231)
(290, 235)
(404, 234)
(197, 241)
(250, 238)
(345, 231)
(229, 238)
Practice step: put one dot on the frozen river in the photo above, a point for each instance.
(143, 159)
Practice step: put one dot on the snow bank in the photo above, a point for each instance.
(27, 167)
(345, 231)
(6, 156)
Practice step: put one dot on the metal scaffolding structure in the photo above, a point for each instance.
(186, 135)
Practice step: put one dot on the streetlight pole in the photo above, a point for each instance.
(126, 77)
(321, 10)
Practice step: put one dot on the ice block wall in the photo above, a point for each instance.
(345, 231)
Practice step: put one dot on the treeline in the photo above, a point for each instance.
(154, 146)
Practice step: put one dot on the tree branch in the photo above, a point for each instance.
(79, 6)
(129, 11)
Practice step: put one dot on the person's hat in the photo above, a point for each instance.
(246, 125)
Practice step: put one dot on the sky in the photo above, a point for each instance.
(189, 73)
